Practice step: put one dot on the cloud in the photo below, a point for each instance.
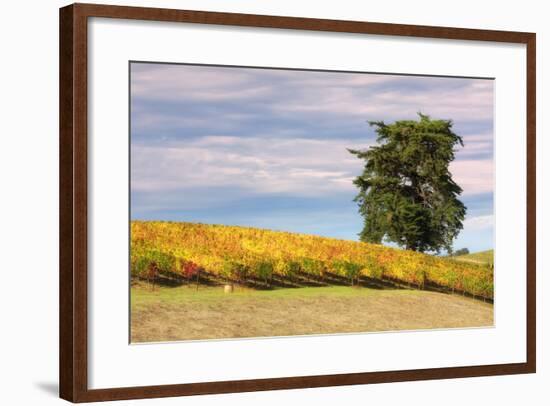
(247, 95)
(304, 167)
(477, 146)
(395, 102)
(479, 223)
(174, 82)
(212, 83)
(474, 176)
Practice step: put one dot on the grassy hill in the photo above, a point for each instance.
(265, 258)
(482, 257)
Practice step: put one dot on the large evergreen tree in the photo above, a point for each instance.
(406, 191)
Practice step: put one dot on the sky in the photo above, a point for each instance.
(268, 147)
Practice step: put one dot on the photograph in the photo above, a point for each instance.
(274, 202)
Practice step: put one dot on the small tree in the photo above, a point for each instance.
(406, 191)
(462, 251)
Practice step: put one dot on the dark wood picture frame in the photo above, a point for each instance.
(73, 362)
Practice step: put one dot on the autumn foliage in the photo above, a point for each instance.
(236, 253)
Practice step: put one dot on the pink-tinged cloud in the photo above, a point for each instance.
(474, 176)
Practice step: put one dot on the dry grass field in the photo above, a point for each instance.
(185, 313)
(482, 257)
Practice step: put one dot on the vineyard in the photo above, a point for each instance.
(212, 254)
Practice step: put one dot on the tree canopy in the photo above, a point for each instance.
(462, 251)
(406, 192)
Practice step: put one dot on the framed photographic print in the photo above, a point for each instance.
(257, 202)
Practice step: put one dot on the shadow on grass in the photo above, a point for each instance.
(297, 280)
(301, 279)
